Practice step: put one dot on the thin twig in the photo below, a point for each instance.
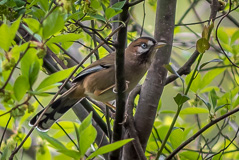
(94, 40)
(205, 21)
(142, 27)
(220, 21)
(83, 45)
(5, 129)
(187, 11)
(60, 62)
(107, 116)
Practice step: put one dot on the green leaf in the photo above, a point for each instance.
(6, 152)
(118, 6)
(27, 144)
(235, 36)
(43, 153)
(86, 123)
(3, 2)
(52, 24)
(176, 137)
(8, 33)
(209, 88)
(27, 61)
(98, 17)
(37, 12)
(42, 91)
(95, 4)
(55, 77)
(213, 98)
(44, 5)
(64, 38)
(32, 4)
(205, 32)
(87, 137)
(222, 35)
(109, 13)
(202, 45)
(236, 103)
(77, 15)
(77, 134)
(210, 76)
(33, 71)
(189, 155)
(54, 142)
(71, 153)
(109, 148)
(13, 28)
(20, 87)
(193, 110)
(17, 49)
(65, 125)
(181, 98)
(19, 3)
(228, 97)
(33, 24)
(61, 157)
(103, 6)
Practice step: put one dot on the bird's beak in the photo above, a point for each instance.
(160, 44)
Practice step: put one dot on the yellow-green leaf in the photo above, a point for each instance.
(20, 87)
(55, 77)
(202, 45)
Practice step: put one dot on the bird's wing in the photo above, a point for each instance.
(96, 66)
(88, 71)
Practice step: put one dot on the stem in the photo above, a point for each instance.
(179, 109)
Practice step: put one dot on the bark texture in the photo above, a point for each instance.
(154, 84)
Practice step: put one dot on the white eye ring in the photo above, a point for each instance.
(144, 45)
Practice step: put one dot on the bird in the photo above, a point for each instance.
(97, 81)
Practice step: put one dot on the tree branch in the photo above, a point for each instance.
(185, 69)
(120, 83)
(130, 124)
(154, 84)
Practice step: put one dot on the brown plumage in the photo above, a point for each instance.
(98, 79)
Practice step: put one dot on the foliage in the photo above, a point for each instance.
(27, 79)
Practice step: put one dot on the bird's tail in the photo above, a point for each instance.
(53, 113)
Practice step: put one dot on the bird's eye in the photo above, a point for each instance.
(144, 45)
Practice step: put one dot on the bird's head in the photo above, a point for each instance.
(144, 48)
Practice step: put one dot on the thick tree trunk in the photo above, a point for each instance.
(154, 84)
